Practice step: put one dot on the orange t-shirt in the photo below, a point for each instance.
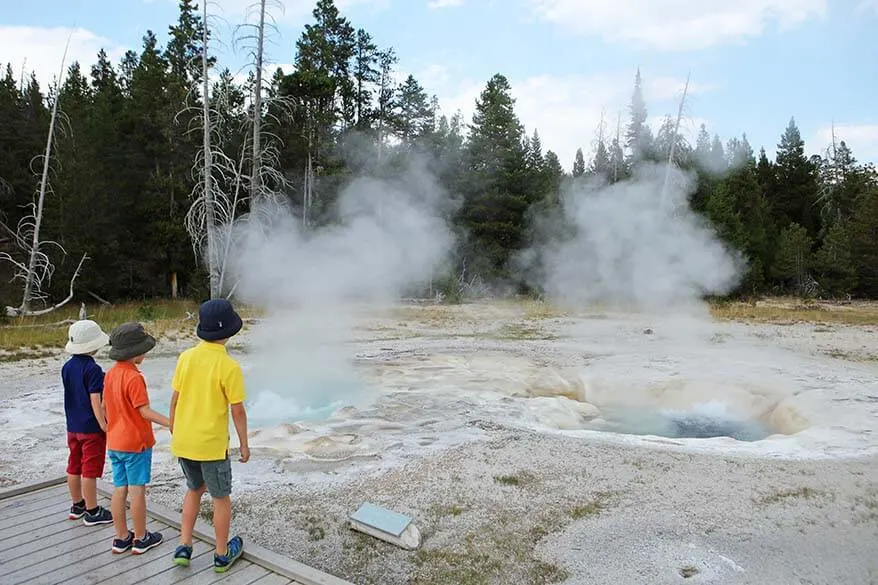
(124, 393)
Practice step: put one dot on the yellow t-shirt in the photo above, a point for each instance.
(207, 381)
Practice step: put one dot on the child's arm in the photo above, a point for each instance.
(173, 409)
(239, 416)
(97, 406)
(153, 416)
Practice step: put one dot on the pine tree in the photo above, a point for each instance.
(792, 264)
(638, 135)
(668, 140)
(534, 153)
(702, 149)
(366, 76)
(496, 195)
(555, 176)
(414, 115)
(578, 164)
(864, 240)
(718, 162)
(834, 264)
(795, 192)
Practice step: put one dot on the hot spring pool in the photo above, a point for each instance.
(678, 424)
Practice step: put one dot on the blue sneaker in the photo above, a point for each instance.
(121, 545)
(151, 540)
(183, 555)
(222, 563)
(101, 516)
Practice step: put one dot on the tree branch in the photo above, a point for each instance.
(19, 312)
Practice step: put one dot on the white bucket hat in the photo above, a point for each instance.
(85, 337)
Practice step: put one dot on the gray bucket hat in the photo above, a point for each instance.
(129, 340)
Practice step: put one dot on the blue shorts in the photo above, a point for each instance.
(131, 468)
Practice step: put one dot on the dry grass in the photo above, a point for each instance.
(27, 337)
(538, 311)
(431, 316)
(781, 495)
(796, 311)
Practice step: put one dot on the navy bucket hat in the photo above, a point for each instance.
(217, 320)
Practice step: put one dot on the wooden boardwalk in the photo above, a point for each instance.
(40, 546)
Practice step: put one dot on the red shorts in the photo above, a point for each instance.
(87, 454)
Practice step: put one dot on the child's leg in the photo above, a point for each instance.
(138, 510)
(139, 476)
(218, 479)
(74, 468)
(74, 485)
(191, 509)
(222, 521)
(192, 499)
(94, 447)
(117, 507)
(120, 494)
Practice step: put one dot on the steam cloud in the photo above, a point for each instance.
(391, 237)
(625, 245)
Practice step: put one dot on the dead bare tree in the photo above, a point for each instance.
(224, 185)
(615, 144)
(256, 178)
(207, 175)
(674, 140)
(36, 273)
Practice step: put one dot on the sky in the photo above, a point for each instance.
(753, 64)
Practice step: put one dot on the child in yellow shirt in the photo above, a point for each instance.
(207, 383)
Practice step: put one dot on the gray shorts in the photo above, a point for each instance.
(216, 475)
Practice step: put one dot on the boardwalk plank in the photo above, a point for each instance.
(66, 560)
(40, 528)
(200, 564)
(55, 505)
(105, 565)
(31, 487)
(50, 542)
(40, 546)
(243, 573)
(59, 504)
(273, 579)
(34, 496)
(150, 570)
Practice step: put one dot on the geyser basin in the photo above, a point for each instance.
(699, 423)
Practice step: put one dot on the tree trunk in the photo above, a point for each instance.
(209, 202)
(38, 209)
(674, 139)
(256, 178)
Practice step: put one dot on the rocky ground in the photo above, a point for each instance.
(459, 440)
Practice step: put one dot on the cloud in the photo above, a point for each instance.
(677, 25)
(567, 110)
(861, 138)
(40, 49)
(434, 4)
(867, 6)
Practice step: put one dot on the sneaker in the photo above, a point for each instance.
(102, 516)
(222, 563)
(151, 540)
(77, 511)
(183, 555)
(121, 545)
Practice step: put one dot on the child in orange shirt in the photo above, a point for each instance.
(129, 436)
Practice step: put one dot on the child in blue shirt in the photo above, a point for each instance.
(86, 424)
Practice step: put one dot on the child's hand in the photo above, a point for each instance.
(245, 454)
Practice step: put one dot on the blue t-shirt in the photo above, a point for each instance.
(82, 377)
